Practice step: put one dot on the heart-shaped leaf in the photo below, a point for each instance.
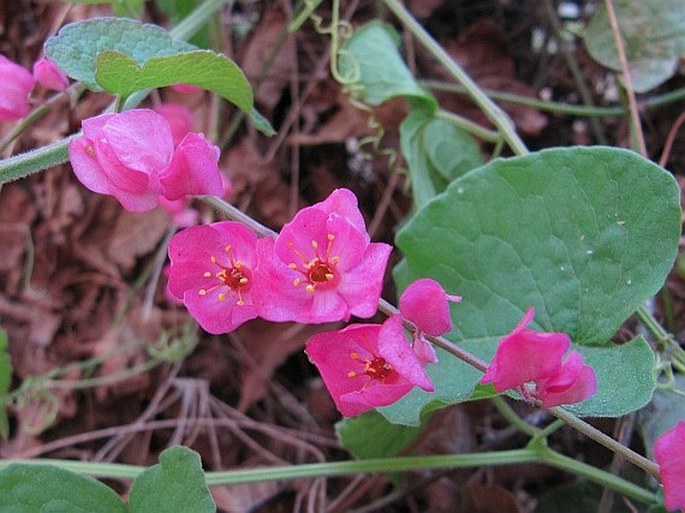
(122, 75)
(584, 235)
(176, 485)
(76, 46)
(28, 488)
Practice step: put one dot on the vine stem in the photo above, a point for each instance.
(496, 115)
(534, 453)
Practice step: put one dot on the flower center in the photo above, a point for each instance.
(377, 369)
(319, 271)
(234, 276)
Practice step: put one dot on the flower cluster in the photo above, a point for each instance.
(132, 156)
(320, 268)
(669, 453)
(16, 84)
(537, 365)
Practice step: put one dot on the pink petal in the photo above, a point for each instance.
(179, 117)
(193, 169)
(574, 383)
(525, 355)
(47, 74)
(185, 88)
(395, 348)
(425, 351)
(331, 353)
(16, 84)
(344, 203)
(361, 286)
(425, 303)
(86, 167)
(669, 453)
(197, 254)
(140, 139)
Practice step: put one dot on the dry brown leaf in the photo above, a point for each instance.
(267, 54)
(482, 52)
(135, 235)
(492, 499)
(247, 497)
(267, 346)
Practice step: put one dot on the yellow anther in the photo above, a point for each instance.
(297, 282)
(240, 302)
(309, 288)
(212, 259)
(354, 356)
(329, 276)
(243, 281)
(315, 244)
(351, 374)
(293, 266)
(202, 292)
(228, 248)
(330, 236)
(238, 264)
(335, 260)
(222, 296)
(207, 274)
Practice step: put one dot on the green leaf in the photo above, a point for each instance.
(436, 153)
(625, 378)
(653, 32)
(28, 488)
(176, 485)
(76, 46)
(5, 382)
(119, 74)
(372, 436)
(584, 235)
(370, 60)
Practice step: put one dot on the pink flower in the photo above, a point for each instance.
(16, 84)
(185, 88)
(669, 453)
(426, 304)
(212, 271)
(131, 156)
(365, 366)
(179, 117)
(531, 362)
(47, 74)
(322, 266)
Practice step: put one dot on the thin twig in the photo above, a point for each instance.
(627, 79)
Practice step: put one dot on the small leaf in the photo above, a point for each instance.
(5, 382)
(176, 485)
(119, 74)
(584, 235)
(372, 436)
(28, 488)
(653, 32)
(436, 153)
(76, 46)
(370, 60)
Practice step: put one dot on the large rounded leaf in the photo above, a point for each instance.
(584, 235)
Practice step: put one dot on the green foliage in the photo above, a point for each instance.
(5, 382)
(27, 488)
(372, 436)
(370, 60)
(176, 11)
(176, 485)
(653, 32)
(121, 75)
(584, 235)
(76, 46)
(436, 153)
